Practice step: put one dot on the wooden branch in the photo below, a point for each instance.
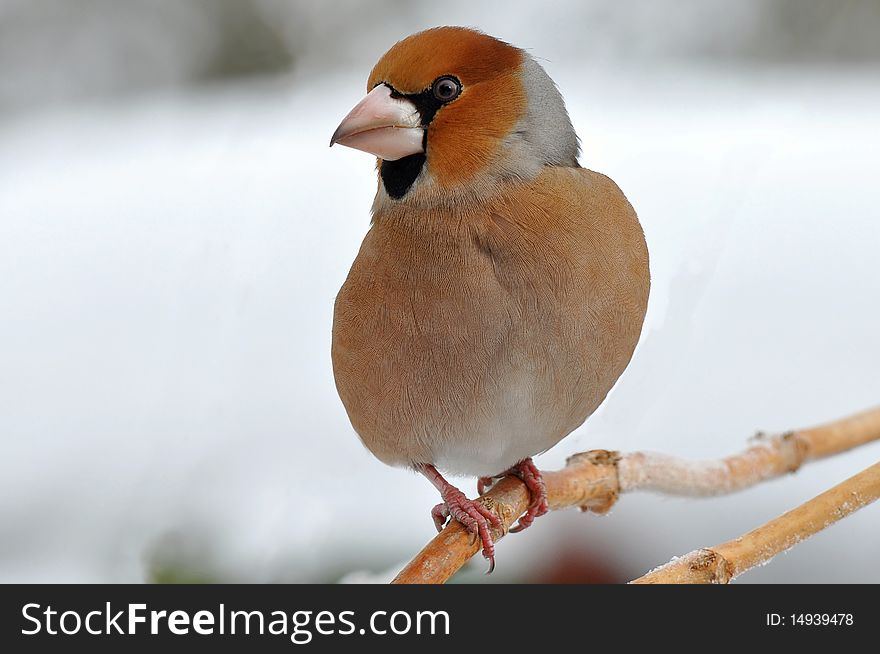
(594, 480)
(720, 564)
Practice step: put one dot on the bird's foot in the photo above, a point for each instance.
(531, 477)
(485, 483)
(534, 481)
(472, 514)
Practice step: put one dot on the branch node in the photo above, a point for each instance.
(794, 450)
(594, 457)
(713, 567)
(595, 501)
(703, 566)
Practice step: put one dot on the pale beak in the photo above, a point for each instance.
(390, 128)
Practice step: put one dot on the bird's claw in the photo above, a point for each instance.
(474, 516)
(484, 484)
(528, 472)
(440, 514)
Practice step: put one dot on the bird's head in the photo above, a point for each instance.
(451, 112)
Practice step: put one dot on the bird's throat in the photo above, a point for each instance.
(398, 176)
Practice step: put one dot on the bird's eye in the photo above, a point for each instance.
(446, 89)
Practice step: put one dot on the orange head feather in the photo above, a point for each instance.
(465, 134)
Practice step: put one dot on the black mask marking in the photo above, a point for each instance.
(398, 176)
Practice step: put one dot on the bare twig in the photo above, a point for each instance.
(720, 564)
(593, 481)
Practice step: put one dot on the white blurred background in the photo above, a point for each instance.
(173, 230)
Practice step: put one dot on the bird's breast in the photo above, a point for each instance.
(477, 340)
(418, 331)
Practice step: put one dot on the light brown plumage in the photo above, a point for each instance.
(495, 303)
(494, 330)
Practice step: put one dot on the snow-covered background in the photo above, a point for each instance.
(173, 230)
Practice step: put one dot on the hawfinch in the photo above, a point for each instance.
(501, 288)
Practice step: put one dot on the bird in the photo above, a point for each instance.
(501, 288)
